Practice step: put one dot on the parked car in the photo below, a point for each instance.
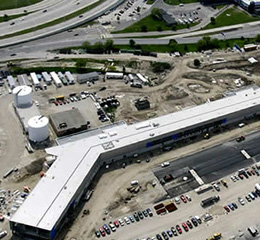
(227, 208)
(121, 222)
(98, 234)
(183, 198)
(131, 219)
(158, 237)
(179, 229)
(235, 205)
(102, 231)
(140, 215)
(165, 236)
(241, 201)
(231, 206)
(241, 138)
(169, 232)
(189, 224)
(198, 219)
(248, 198)
(188, 197)
(174, 231)
(116, 224)
(149, 212)
(136, 217)
(185, 227)
(145, 213)
(194, 221)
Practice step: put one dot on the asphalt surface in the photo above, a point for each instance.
(211, 164)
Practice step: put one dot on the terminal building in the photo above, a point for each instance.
(79, 158)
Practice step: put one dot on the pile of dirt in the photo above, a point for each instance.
(172, 93)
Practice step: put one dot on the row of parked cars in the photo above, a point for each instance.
(178, 229)
(73, 97)
(107, 229)
(245, 173)
(251, 196)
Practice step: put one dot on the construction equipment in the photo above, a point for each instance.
(215, 236)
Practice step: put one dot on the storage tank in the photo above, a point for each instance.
(22, 96)
(38, 128)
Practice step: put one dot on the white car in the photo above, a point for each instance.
(241, 201)
(188, 197)
(165, 164)
(121, 222)
(177, 200)
(3, 234)
(127, 221)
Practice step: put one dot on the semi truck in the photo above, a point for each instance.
(209, 201)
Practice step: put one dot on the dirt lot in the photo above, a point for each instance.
(181, 86)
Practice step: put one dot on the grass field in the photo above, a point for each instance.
(177, 2)
(9, 4)
(152, 25)
(232, 16)
(223, 44)
(11, 17)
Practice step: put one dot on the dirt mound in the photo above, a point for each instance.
(173, 93)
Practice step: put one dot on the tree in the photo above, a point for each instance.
(257, 38)
(109, 45)
(213, 20)
(174, 27)
(156, 13)
(196, 62)
(132, 43)
(159, 28)
(99, 46)
(186, 48)
(6, 17)
(86, 44)
(80, 63)
(173, 44)
(143, 28)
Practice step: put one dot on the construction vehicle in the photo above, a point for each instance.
(215, 236)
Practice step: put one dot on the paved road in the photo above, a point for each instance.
(211, 164)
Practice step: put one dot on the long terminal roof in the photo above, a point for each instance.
(53, 193)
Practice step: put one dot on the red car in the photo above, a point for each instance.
(102, 231)
(227, 208)
(252, 171)
(183, 198)
(189, 224)
(179, 229)
(116, 224)
(185, 227)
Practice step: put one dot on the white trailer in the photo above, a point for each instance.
(46, 78)
(35, 80)
(56, 79)
(11, 82)
(114, 75)
(142, 78)
(70, 78)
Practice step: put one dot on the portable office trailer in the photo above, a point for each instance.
(35, 80)
(11, 81)
(70, 77)
(46, 78)
(114, 75)
(62, 78)
(88, 77)
(56, 79)
(142, 78)
(23, 80)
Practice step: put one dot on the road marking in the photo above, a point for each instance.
(247, 156)
(197, 177)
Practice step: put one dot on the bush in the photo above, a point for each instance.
(158, 67)
(196, 62)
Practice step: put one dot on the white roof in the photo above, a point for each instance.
(75, 159)
(22, 90)
(38, 122)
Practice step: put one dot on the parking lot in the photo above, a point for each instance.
(210, 165)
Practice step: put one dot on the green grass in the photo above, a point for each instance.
(54, 22)
(150, 2)
(177, 2)
(152, 25)
(223, 44)
(10, 4)
(11, 17)
(232, 16)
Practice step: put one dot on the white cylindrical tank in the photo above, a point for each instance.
(38, 128)
(22, 96)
